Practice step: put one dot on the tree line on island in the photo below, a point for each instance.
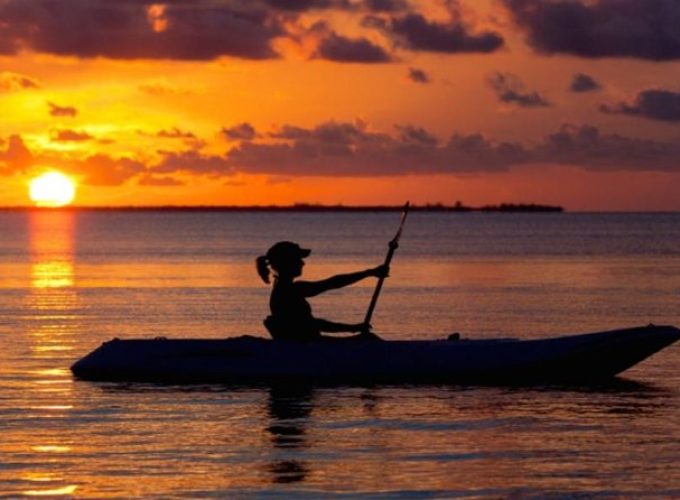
(458, 206)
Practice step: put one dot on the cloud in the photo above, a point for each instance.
(103, 170)
(416, 135)
(584, 83)
(175, 133)
(351, 150)
(17, 157)
(346, 149)
(414, 32)
(66, 135)
(418, 75)
(151, 180)
(14, 81)
(241, 132)
(203, 30)
(586, 146)
(193, 163)
(603, 28)
(98, 169)
(198, 30)
(661, 105)
(299, 6)
(56, 110)
(341, 149)
(338, 48)
(510, 89)
(385, 5)
(306, 5)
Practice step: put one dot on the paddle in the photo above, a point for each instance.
(393, 245)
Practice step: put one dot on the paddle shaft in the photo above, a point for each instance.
(393, 245)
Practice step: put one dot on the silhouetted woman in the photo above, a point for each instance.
(291, 317)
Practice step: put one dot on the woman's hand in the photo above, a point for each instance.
(381, 271)
(361, 327)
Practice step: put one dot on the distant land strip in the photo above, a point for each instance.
(307, 207)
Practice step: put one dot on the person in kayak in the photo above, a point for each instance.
(291, 317)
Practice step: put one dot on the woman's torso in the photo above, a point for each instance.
(292, 313)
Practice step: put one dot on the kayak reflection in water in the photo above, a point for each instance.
(291, 317)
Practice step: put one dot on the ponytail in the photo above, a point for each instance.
(262, 265)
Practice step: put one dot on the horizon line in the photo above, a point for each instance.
(300, 207)
(304, 207)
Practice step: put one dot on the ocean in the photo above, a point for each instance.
(70, 280)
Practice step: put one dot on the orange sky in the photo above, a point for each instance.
(344, 101)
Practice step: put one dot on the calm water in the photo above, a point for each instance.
(69, 281)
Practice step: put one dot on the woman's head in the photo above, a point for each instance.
(284, 257)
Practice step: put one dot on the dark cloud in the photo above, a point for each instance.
(418, 75)
(586, 146)
(150, 180)
(338, 48)
(198, 30)
(66, 135)
(413, 31)
(386, 5)
(14, 81)
(584, 83)
(175, 133)
(193, 163)
(346, 149)
(416, 135)
(329, 133)
(337, 149)
(644, 29)
(306, 5)
(56, 110)
(240, 132)
(208, 29)
(510, 89)
(334, 47)
(662, 105)
(299, 6)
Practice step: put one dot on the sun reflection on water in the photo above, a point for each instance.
(53, 298)
(52, 274)
(63, 491)
(51, 249)
(52, 307)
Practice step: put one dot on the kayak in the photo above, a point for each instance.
(247, 359)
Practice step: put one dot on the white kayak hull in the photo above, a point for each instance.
(572, 358)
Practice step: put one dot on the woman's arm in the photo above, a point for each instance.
(332, 327)
(312, 288)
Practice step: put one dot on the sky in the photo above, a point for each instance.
(359, 102)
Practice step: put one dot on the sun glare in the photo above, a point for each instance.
(52, 189)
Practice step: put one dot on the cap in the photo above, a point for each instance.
(287, 250)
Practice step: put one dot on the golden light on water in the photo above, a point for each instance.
(52, 189)
(62, 491)
(53, 296)
(52, 235)
(52, 274)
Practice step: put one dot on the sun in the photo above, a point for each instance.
(52, 189)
